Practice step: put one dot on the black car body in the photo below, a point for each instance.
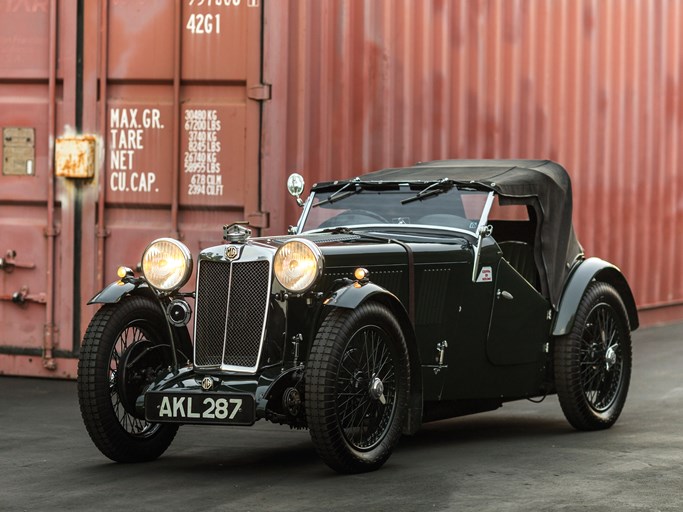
(402, 296)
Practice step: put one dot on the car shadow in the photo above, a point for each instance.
(485, 429)
(274, 453)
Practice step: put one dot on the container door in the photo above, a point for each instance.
(37, 84)
(173, 89)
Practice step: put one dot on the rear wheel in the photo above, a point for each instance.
(124, 349)
(593, 362)
(357, 383)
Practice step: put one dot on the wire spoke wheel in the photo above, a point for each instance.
(601, 360)
(593, 362)
(366, 388)
(124, 350)
(126, 339)
(357, 385)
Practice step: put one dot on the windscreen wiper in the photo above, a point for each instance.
(343, 230)
(340, 194)
(436, 188)
(359, 186)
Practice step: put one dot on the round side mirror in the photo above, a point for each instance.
(295, 186)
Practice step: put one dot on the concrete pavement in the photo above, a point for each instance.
(523, 457)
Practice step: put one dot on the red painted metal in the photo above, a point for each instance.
(201, 108)
(161, 80)
(48, 339)
(594, 85)
(37, 93)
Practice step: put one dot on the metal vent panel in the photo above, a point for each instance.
(249, 290)
(431, 295)
(213, 286)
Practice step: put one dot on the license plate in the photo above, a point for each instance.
(205, 408)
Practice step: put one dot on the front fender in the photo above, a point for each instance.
(353, 295)
(587, 271)
(115, 291)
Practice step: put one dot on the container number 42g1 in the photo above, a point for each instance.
(204, 23)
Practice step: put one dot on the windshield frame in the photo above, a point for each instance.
(407, 228)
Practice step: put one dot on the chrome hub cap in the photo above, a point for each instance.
(610, 358)
(377, 389)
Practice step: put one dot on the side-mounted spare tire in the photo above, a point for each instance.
(357, 387)
(593, 361)
(124, 349)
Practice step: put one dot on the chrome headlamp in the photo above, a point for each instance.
(166, 264)
(298, 264)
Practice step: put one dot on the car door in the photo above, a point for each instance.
(520, 319)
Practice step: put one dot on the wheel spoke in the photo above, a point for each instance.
(128, 337)
(362, 417)
(600, 358)
(351, 397)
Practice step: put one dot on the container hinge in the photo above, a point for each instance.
(51, 231)
(49, 344)
(259, 219)
(260, 92)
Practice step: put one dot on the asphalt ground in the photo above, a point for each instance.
(522, 457)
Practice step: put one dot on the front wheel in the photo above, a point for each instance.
(124, 349)
(593, 361)
(357, 385)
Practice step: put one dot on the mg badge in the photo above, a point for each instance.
(207, 383)
(231, 252)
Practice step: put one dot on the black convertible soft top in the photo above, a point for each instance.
(541, 184)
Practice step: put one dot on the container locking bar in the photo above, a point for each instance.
(8, 264)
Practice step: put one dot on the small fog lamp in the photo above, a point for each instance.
(361, 273)
(123, 272)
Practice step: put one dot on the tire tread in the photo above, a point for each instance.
(93, 393)
(567, 361)
(324, 359)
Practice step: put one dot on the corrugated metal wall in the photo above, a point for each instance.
(357, 85)
(171, 92)
(37, 95)
(593, 84)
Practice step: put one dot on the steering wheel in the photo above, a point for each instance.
(353, 217)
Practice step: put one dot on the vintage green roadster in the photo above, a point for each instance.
(401, 296)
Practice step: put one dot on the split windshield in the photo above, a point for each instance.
(358, 204)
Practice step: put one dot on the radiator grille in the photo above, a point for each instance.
(232, 301)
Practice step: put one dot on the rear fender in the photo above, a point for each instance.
(592, 269)
(352, 296)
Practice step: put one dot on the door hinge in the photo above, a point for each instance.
(260, 92)
(259, 219)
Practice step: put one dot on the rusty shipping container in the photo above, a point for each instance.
(125, 120)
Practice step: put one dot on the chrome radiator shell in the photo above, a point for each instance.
(231, 308)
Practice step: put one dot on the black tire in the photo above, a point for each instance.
(593, 361)
(359, 360)
(107, 400)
